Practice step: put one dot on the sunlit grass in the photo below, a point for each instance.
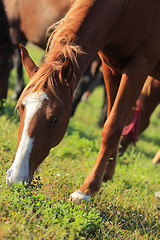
(124, 208)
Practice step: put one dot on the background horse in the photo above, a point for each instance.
(148, 101)
(29, 21)
(128, 43)
(92, 78)
(156, 158)
(6, 51)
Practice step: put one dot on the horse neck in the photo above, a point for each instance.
(96, 30)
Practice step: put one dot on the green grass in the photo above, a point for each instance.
(124, 208)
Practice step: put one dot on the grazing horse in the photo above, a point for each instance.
(6, 51)
(29, 21)
(126, 34)
(139, 118)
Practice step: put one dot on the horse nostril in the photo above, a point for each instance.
(10, 173)
(9, 176)
(8, 181)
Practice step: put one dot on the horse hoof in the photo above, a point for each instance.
(156, 162)
(157, 194)
(78, 196)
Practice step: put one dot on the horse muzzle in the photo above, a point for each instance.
(14, 176)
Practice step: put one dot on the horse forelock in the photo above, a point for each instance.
(47, 73)
(42, 79)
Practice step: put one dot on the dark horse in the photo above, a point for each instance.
(6, 51)
(126, 34)
(29, 21)
(92, 78)
(139, 118)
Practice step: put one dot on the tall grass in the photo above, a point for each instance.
(124, 208)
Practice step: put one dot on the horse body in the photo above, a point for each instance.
(126, 34)
(6, 51)
(29, 21)
(124, 44)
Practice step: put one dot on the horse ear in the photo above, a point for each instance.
(66, 72)
(28, 63)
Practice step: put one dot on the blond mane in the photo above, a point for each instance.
(61, 44)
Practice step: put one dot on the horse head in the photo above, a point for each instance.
(44, 115)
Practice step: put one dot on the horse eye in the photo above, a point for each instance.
(20, 108)
(55, 119)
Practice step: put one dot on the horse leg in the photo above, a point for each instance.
(103, 114)
(156, 158)
(19, 69)
(149, 100)
(112, 80)
(133, 78)
(81, 88)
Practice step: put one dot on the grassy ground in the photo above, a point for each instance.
(124, 208)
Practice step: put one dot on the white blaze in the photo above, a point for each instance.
(19, 171)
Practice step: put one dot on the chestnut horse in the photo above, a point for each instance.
(139, 118)
(126, 34)
(6, 51)
(29, 21)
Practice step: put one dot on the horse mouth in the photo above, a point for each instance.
(12, 179)
(26, 183)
